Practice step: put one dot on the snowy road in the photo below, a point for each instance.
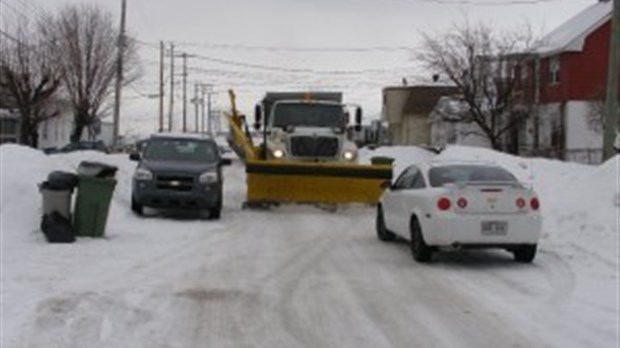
(293, 276)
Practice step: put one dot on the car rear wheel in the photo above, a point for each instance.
(383, 233)
(525, 253)
(136, 207)
(215, 213)
(419, 249)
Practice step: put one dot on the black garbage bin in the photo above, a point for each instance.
(56, 193)
(95, 188)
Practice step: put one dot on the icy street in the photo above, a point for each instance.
(300, 276)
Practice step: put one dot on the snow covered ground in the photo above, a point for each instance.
(298, 276)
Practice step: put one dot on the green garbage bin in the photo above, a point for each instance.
(381, 160)
(92, 205)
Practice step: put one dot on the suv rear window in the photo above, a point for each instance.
(181, 150)
(439, 176)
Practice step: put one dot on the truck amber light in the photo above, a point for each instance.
(462, 203)
(520, 203)
(443, 204)
(535, 204)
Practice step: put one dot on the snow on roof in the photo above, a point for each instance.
(571, 36)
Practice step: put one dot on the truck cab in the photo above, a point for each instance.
(310, 129)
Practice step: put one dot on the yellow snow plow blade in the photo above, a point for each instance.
(301, 182)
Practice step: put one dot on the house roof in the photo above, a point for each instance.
(571, 36)
(423, 99)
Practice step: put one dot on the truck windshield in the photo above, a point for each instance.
(181, 150)
(308, 115)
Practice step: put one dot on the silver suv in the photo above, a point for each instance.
(179, 171)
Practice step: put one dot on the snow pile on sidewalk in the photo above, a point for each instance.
(24, 168)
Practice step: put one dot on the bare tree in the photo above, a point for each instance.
(84, 43)
(481, 62)
(28, 79)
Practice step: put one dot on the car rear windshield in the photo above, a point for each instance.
(181, 150)
(439, 176)
(308, 115)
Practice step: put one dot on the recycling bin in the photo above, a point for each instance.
(381, 160)
(95, 189)
(96, 169)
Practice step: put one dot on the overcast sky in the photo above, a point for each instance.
(353, 35)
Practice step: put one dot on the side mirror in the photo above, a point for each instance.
(225, 161)
(387, 184)
(258, 116)
(134, 156)
(358, 119)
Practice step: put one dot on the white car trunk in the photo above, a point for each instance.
(490, 198)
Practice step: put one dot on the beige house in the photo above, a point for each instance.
(406, 109)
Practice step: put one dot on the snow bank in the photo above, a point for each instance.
(24, 168)
(403, 156)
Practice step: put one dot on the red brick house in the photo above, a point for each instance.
(566, 80)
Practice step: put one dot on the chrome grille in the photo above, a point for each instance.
(306, 146)
(175, 182)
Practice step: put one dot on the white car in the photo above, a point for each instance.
(454, 205)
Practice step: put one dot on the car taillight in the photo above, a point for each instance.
(443, 204)
(520, 203)
(462, 203)
(535, 204)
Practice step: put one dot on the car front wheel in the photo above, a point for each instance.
(383, 233)
(419, 249)
(136, 207)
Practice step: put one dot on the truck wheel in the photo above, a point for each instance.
(137, 208)
(383, 233)
(420, 251)
(525, 253)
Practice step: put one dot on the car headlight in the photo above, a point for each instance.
(143, 174)
(349, 155)
(208, 178)
(278, 153)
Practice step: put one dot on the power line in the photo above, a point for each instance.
(24, 6)
(290, 70)
(487, 3)
(239, 47)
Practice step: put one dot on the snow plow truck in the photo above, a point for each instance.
(299, 151)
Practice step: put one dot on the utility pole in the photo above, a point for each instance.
(184, 92)
(161, 86)
(611, 100)
(171, 106)
(202, 106)
(119, 74)
(195, 102)
(209, 120)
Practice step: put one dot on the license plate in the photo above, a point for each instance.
(494, 228)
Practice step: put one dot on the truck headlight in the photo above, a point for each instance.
(349, 155)
(143, 174)
(208, 178)
(278, 153)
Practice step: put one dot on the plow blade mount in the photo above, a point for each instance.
(310, 182)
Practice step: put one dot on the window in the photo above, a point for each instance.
(418, 181)
(442, 175)
(411, 178)
(524, 73)
(554, 70)
(181, 150)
